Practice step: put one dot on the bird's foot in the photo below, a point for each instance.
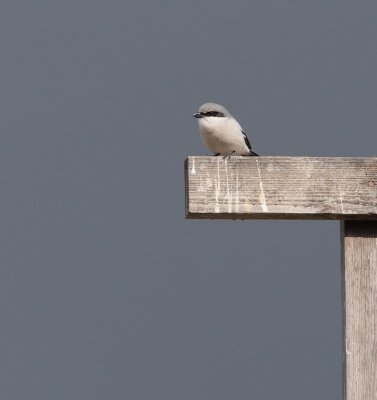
(227, 156)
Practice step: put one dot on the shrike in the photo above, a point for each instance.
(221, 133)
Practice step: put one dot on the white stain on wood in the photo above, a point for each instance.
(262, 197)
(229, 194)
(341, 202)
(237, 207)
(193, 171)
(217, 189)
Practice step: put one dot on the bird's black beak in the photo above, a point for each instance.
(197, 115)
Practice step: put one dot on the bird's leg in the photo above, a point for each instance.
(227, 156)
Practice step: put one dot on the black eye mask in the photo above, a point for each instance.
(213, 114)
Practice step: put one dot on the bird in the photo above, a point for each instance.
(220, 131)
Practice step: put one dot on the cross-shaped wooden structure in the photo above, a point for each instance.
(308, 188)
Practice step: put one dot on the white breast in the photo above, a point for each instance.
(222, 135)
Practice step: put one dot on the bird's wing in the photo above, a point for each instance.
(246, 140)
(248, 144)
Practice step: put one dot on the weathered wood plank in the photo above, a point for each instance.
(359, 298)
(281, 188)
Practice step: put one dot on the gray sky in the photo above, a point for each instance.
(107, 292)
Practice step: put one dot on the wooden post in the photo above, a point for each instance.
(308, 188)
(359, 300)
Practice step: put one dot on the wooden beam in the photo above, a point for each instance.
(281, 188)
(359, 298)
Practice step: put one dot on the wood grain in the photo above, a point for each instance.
(359, 298)
(281, 188)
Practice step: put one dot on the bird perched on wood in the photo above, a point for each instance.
(220, 131)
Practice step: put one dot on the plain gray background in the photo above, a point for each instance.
(106, 291)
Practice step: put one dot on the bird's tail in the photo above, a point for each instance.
(254, 154)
